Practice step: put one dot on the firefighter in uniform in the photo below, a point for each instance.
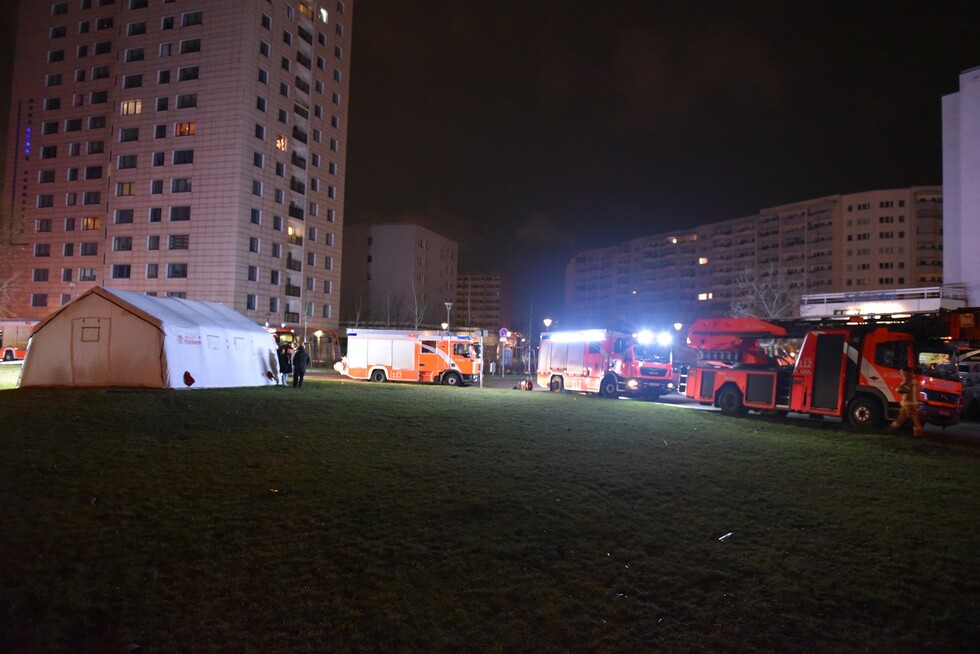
(909, 390)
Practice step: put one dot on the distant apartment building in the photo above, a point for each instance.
(192, 149)
(478, 302)
(961, 185)
(856, 242)
(397, 275)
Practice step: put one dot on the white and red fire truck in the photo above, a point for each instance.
(607, 362)
(14, 335)
(848, 370)
(381, 355)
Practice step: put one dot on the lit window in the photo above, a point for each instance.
(185, 129)
(131, 107)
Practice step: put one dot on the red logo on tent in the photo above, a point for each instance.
(188, 379)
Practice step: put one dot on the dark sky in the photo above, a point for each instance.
(529, 130)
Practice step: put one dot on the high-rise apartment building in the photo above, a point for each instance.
(841, 243)
(192, 148)
(478, 302)
(961, 184)
(398, 275)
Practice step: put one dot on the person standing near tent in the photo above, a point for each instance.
(301, 359)
(285, 364)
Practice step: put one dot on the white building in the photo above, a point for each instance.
(961, 185)
(398, 275)
(193, 149)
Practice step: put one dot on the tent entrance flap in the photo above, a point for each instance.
(90, 351)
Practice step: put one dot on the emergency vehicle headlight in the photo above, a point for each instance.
(670, 385)
(644, 337)
(632, 384)
(664, 339)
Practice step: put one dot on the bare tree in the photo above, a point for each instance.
(767, 294)
(418, 305)
(9, 280)
(358, 309)
(393, 310)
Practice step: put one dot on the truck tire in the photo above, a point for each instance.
(452, 379)
(730, 401)
(556, 385)
(379, 376)
(609, 387)
(8, 356)
(864, 412)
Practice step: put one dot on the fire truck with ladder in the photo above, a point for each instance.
(607, 362)
(848, 370)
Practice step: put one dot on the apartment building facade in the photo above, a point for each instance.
(398, 275)
(193, 149)
(856, 242)
(479, 302)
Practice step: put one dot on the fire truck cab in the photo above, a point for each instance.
(14, 335)
(848, 371)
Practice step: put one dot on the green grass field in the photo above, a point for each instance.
(355, 517)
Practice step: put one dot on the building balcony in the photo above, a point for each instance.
(294, 264)
(292, 291)
(290, 316)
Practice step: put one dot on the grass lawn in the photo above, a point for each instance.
(396, 518)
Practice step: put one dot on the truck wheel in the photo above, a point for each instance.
(556, 385)
(379, 376)
(730, 401)
(608, 387)
(8, 356)
(452, 379)
(864, 413)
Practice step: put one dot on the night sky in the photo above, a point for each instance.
(528, 131)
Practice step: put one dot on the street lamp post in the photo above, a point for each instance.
(547, 324)
(449, 305)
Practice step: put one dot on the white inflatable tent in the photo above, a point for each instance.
(110, 338)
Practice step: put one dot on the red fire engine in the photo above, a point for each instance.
(607, 362)
(845, 370)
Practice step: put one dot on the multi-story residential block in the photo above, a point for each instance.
(855, 242)
(478, 302)
(398, 275)
(192, 149)
(961, 185)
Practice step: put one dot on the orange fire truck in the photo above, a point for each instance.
(435, 357)
(14, 335)
(846, 370)
(607, 362)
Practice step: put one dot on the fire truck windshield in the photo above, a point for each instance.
(936, 358)
(652, 352)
